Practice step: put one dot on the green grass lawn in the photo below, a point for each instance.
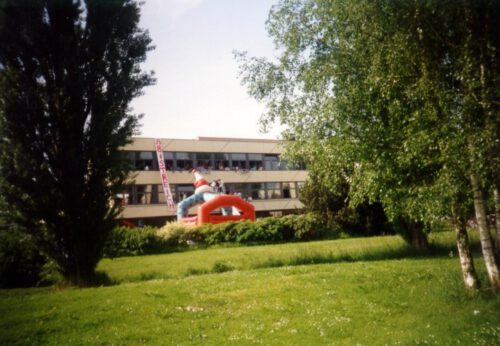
(264, 295)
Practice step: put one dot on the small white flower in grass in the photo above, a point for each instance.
(476, 312)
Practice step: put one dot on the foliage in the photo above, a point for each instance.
(336, 212)
(21, 262)
(68, 71)
(124, 241)
(266, 230)
(175, 236)
(397, 98)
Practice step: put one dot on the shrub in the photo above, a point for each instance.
(266, 230)
(269, 229)
(124, 241)
(175, 234)
(21, 262)
(226, 232)
(310, 226)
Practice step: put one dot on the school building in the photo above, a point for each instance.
(251, 168)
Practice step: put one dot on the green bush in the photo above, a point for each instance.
(175, 234)
(266, 230)
(308, 227)
(21, 262)
(219, 233)
(269, 229)
(124, 241)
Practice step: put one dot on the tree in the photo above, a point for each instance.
(399, 87)
(68, 71)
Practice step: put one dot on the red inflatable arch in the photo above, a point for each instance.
(247, 211)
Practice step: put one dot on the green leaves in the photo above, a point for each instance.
(390, 92)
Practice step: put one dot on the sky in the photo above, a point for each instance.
(198, 92)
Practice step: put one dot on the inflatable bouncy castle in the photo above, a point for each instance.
(205, 211)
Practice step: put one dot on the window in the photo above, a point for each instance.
(204, 161)
(130, 156)
(169, 160)
(271, 162)
(300, 185)
(144, 160)
(283, 165)
(257, 191)
(125, 197)
(159, 196)
(289, 190)
(238, 161)
(273, 190)
(237, 189)
(183, 191)
(184, 161)
(221, 161)
(144, 194)
(255, 162)
(140, 160)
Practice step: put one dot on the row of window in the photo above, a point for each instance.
(146, 160)
(153, 194)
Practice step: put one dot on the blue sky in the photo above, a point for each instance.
(198, 92)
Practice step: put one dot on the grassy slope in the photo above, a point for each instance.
(403, 301)
(177, 265)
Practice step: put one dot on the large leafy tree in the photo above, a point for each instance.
(68, 71)
(403, 93)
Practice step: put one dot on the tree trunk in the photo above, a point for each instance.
(497, 222)
(471, 280)
(484, 235)
(418, 237)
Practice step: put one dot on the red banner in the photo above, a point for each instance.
(163, 174)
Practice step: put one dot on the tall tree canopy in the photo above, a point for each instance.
(68, 71)
(402, 93)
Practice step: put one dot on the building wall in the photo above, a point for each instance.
(212, 145)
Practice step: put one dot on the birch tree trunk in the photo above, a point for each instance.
(497, 222)
(484, 235)
(471, 280)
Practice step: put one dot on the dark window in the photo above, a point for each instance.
(184, 161)
(273, 190)
(255, 162)
(238, 189)
(144, 193)
(289, 190)
(183, 191)
(140, 160)
(257, 191)
(144, 160)
(204, 161)
(169, 160)
(238, 161)
(221, 161)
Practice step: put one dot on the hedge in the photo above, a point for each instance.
(174, 236)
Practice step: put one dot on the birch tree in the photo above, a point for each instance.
(397, 87)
